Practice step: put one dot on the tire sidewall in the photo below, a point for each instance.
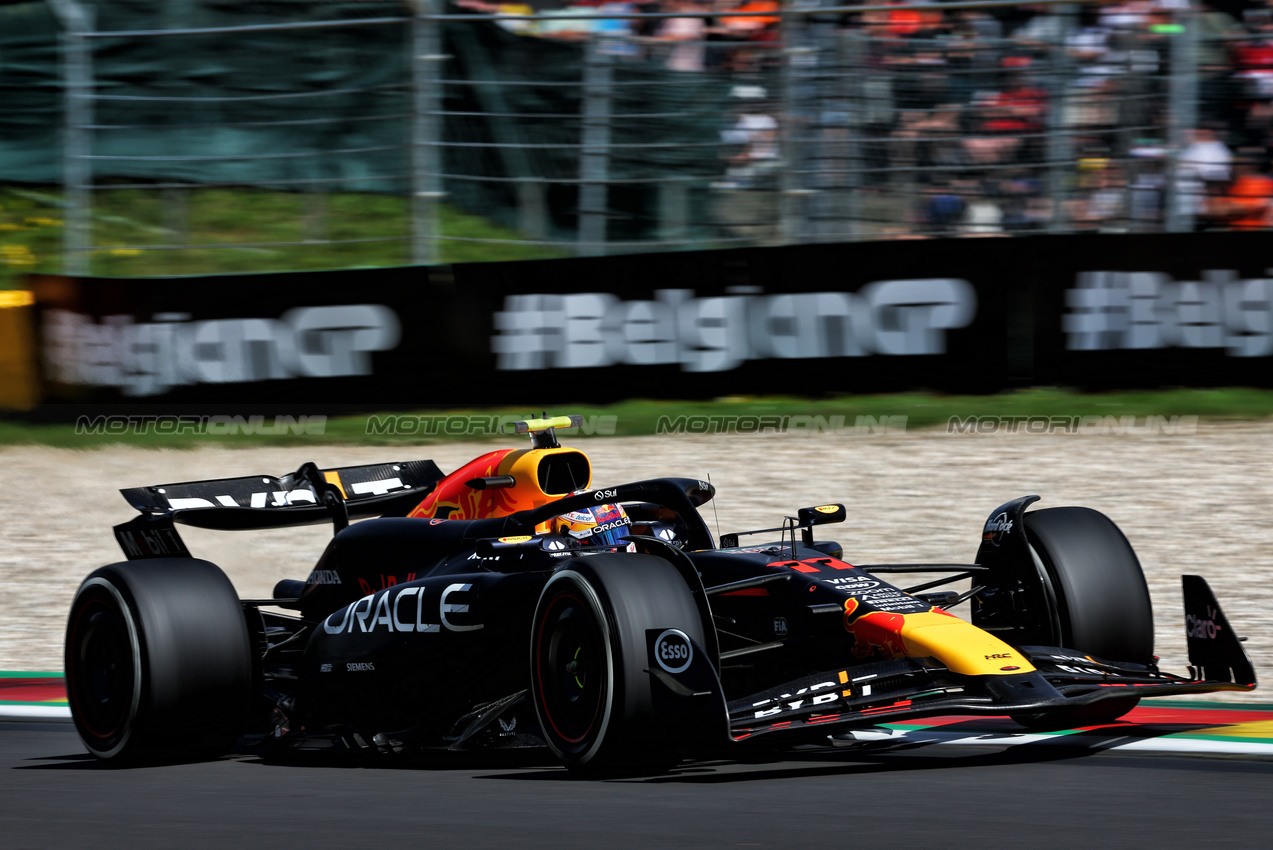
(191, 652)
(123, 608)
(1101, 604)
(574, 582)
(633, 597)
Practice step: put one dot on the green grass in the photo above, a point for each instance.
(140, 226)
(639, 417)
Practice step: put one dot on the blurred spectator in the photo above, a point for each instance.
(1253, 57)
(617, 29)
(1146, 194)
(753, 152)
(1020, 107)
(1214, 27)
(1024, 207)
(926, 107)
(983, 26)
(983, 217)
(973, 52)
(1047, 26)
(943, 209)
(565, 23)
(746, 32)
(1202, 168)
(1248, 204)
(1092, 114)
(1102, 203)
(1220, 95)
(1008, 124)
(760, 24)
(688, 32)
(511, 24)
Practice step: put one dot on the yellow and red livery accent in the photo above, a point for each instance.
(537, 478)
(957, 644)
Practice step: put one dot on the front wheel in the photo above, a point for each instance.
(594, 628)
(1099, 600)
(158, 661)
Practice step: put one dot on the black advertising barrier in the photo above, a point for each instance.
(807, 319)
(1154, 310)
(314, 338)
(960, 315)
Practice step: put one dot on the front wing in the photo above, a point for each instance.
(905, 688)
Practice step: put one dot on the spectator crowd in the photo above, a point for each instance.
(983, 122)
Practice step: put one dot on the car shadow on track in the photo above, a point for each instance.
(86, 761)
(913, 753)
(761, 767)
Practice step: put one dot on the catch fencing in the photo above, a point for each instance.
(593, 131)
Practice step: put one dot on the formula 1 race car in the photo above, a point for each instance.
(510, 604)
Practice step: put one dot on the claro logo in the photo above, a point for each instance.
(148, 358)
(591, 329)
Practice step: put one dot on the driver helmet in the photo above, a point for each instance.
(598, 525)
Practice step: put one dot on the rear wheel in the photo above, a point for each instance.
(589, 660)
(158, 660)
(1099, 601)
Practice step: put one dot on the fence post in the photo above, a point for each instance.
(1182, 114)
(594, 159)
(851, 79)
(77, 169)
(532, 208)
(792, 195)
(426, 132)
(1060, 144)
(674, 204)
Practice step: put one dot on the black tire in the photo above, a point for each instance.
(158, 661)
(1100, 601)
(589, 657)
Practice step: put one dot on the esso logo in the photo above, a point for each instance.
(673, 651)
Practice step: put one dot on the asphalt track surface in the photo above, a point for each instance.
(1050, 794)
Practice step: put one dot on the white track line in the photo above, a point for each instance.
(1086, 740)
(55, 713)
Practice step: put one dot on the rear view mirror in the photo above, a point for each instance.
(821, 514)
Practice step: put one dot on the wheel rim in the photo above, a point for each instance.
(101, 673)
(571, 669)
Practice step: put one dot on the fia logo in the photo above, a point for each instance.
(780, 626)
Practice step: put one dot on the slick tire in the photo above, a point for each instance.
(589, 661)
(158, 661)
(1100, 600)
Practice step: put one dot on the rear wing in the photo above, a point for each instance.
(305, 497)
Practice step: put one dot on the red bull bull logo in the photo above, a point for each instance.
(874, 632)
